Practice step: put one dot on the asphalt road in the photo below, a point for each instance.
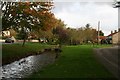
(110, 58)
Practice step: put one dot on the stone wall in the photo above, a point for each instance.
(116, 38)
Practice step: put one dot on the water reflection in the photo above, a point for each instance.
(26, 66)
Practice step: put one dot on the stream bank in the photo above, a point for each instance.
(26, 66)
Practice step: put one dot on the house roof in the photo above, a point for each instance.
(102, 37)
(112, 34)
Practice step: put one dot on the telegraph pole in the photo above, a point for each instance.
(119, 15)
(117, 5)
(98, 30)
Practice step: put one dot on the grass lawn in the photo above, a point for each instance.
(12, 52)
(75, 62)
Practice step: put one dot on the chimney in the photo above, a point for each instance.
(119, 29)
(115, 31)
(111, 32)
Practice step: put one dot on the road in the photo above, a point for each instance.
(110, 58)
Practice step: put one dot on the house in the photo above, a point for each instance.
(43, 40)
(110, 37)
(116, 38)
(5, 33)
(102, 39)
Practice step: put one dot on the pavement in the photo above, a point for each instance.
(110, 58)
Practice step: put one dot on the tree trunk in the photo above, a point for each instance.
(25, 37)
(24, 42)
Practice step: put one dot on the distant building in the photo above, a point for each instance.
(43, 40)
(102, 38)
(116, 38)
(5, 33)
(110, 37)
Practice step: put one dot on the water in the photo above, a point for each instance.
(26, 66)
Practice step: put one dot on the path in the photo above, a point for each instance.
(109, 58)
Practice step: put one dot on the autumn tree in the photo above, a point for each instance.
(48, 22)
(12, 32)
(89, 33)
(27, 16)
(83, 34)
(60, 32)
(73, 35)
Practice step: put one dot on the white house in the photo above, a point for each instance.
(5, 33)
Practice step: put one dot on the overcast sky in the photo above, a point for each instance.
(77, 14)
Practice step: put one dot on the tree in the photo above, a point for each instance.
(60, 32)
(101, 33)
(94, 36)
(23, 13)
(73, 35)
(13, 32)
(27, 16)
(83, 34)
(87, 26)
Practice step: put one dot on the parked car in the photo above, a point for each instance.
(10, 40)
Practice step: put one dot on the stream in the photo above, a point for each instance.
(26, 66)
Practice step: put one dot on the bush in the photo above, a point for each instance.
(3, 37)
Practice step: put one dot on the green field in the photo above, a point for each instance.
(75, 62)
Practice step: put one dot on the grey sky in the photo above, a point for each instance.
(78, 13)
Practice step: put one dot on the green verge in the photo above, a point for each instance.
(75, 62)
(12, 52)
